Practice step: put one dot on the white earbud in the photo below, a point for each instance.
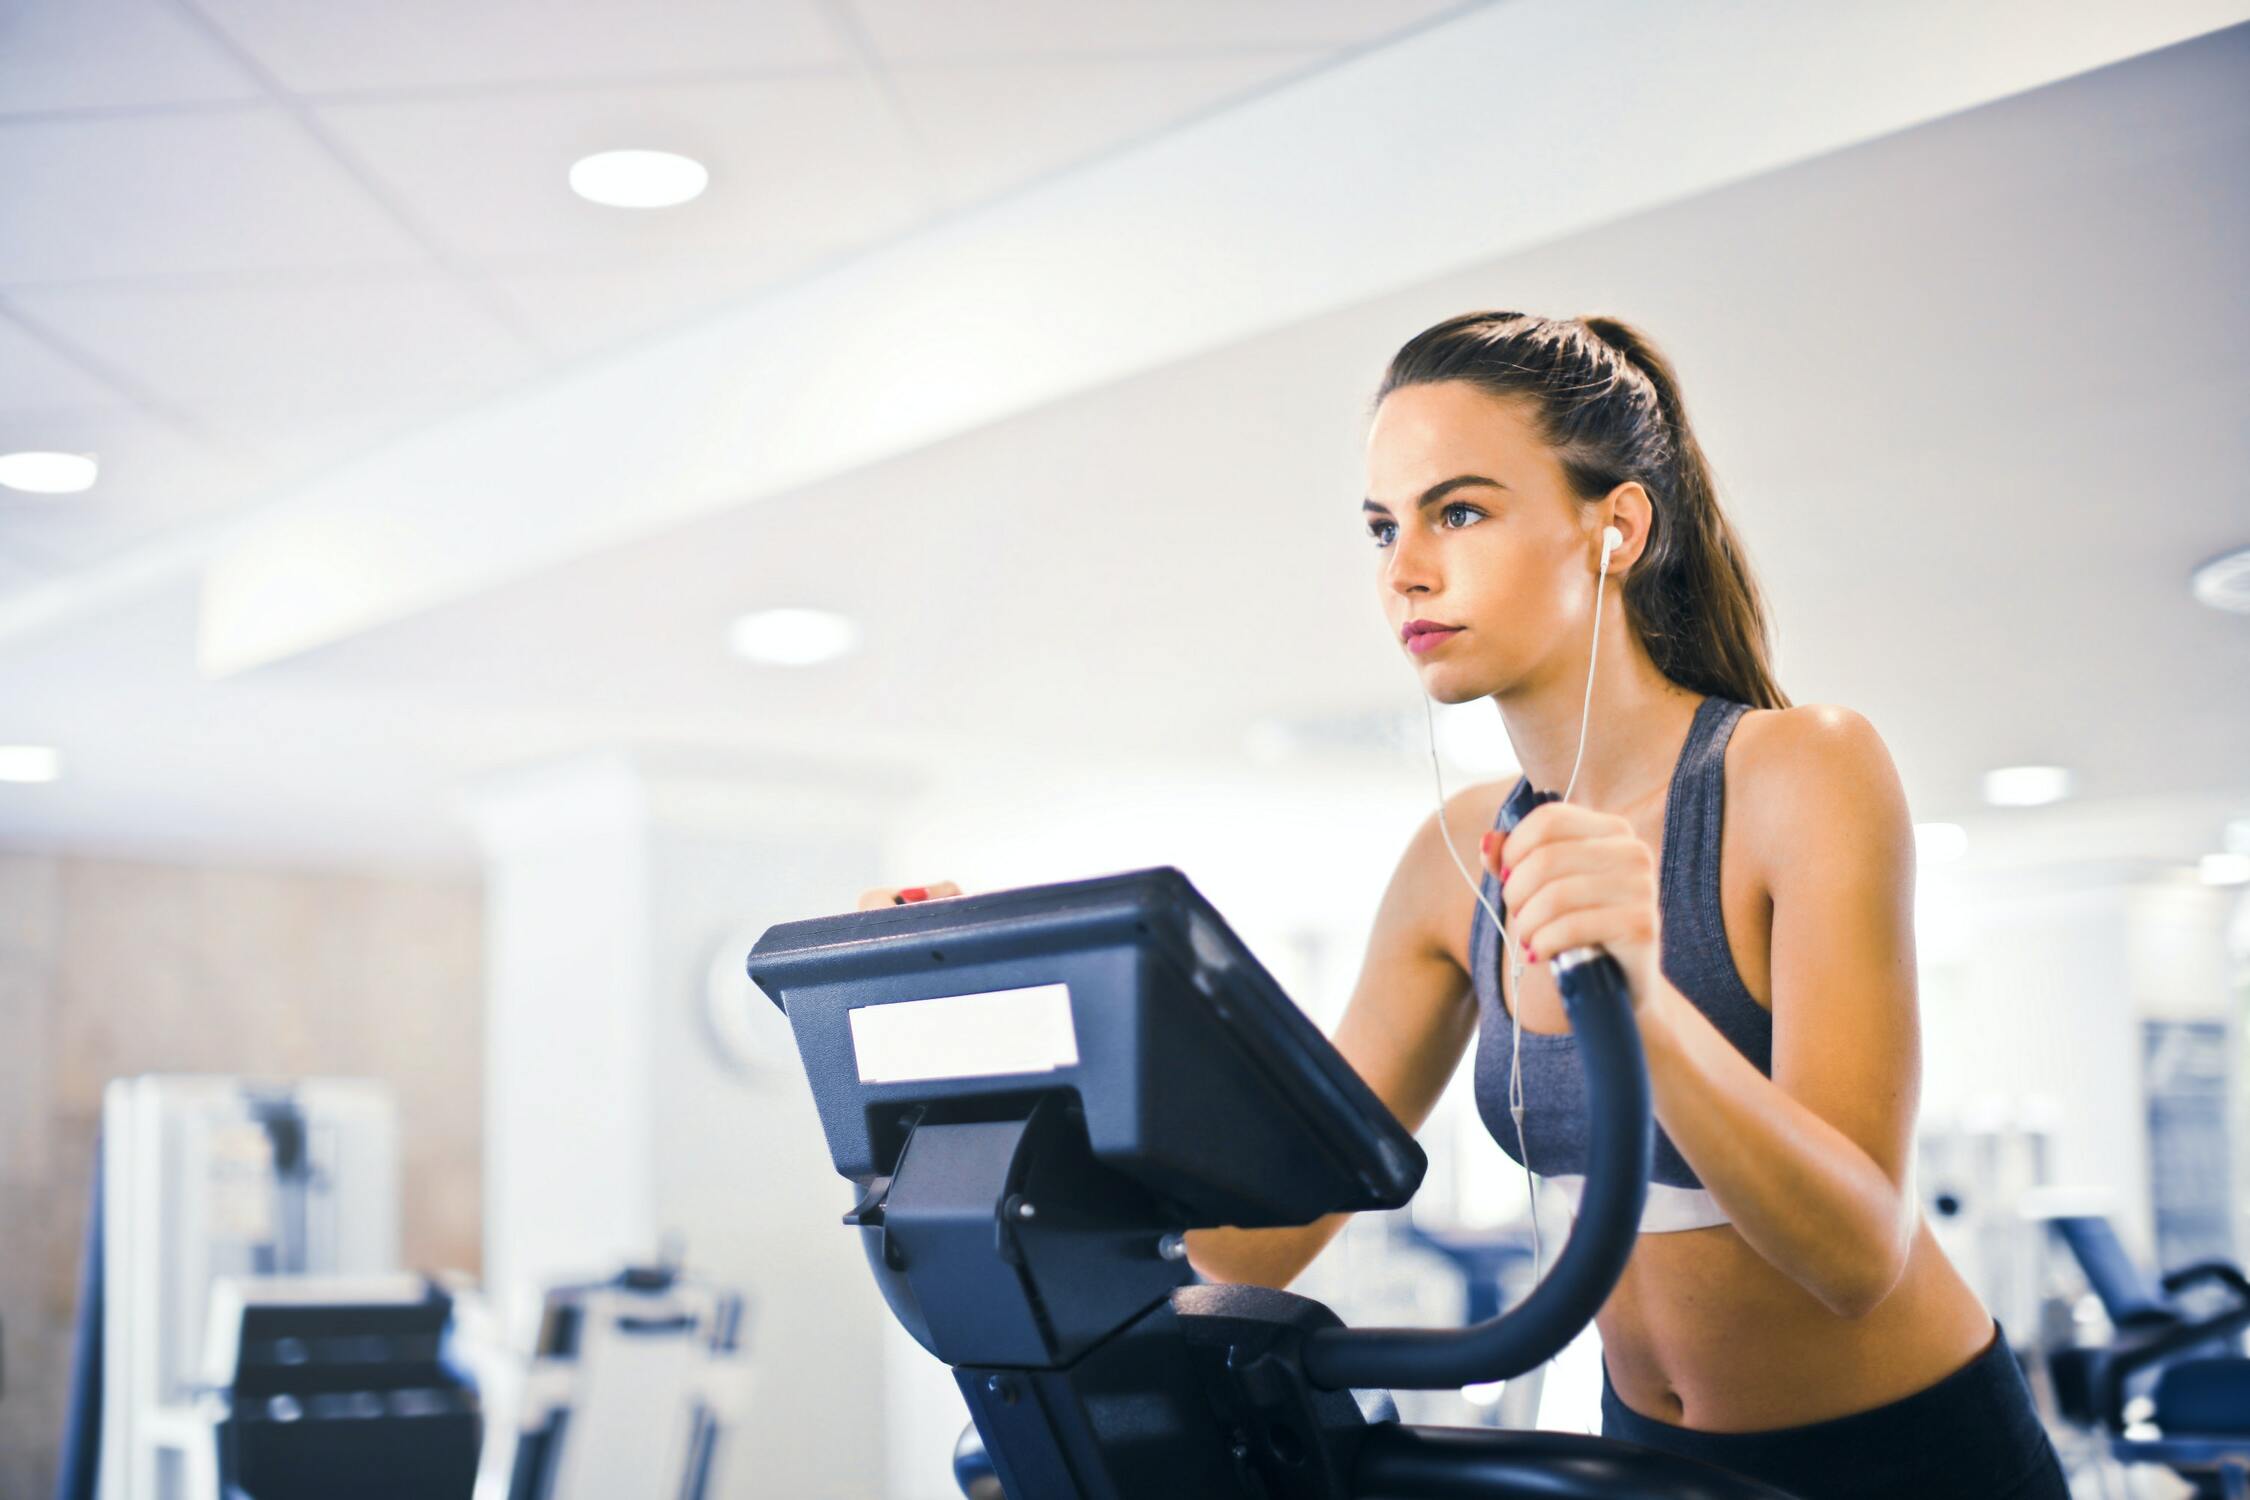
(1612, 539)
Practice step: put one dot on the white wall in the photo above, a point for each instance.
(618, 1130)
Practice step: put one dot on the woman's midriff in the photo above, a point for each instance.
(1703, 1332)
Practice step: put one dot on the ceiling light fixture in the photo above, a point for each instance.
(2026, 786)
(2224, 582)
(29, 763)
(638, 179)
(792, 637)
(2224, 869)
(48, 473)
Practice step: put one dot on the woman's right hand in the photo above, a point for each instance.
(894, 895)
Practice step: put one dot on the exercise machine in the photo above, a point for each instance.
(633, 1382)
(2185, 1364)
(336, 1388)
(200, 1180)
(1038, 1092)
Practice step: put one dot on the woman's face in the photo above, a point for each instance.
(1474, 525)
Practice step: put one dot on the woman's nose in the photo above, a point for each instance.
(1406, 567)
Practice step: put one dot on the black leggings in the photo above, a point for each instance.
(1974, 1434)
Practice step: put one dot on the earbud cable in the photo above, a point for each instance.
(1512, 971)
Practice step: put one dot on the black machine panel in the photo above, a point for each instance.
(1136, 956)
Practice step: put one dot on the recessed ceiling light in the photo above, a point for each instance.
(792, 637)
(48, 473)
(2224, 582)
(1940, 843)
(29, 763)
(638, 179)
(2224, 869)
(2026, 786)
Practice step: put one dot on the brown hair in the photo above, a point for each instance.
(1609, 405)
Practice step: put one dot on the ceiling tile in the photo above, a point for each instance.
(990, 126)
(182, 194)
(110, 54)
(808, 163)
(410, 44)
(34, 378)
(266, 358)
(906, 31)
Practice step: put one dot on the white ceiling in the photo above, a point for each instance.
(243, 239)
(1973, 390)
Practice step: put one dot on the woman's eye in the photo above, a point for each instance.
(1376, 529)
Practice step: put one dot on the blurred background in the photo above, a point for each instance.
(459, 584)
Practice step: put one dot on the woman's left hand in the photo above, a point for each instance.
(1576, 877)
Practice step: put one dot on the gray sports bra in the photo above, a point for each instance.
(1695, 959)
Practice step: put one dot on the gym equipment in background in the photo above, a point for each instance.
(1977, 1172)
(1039, 1091)
(633, 1382)
(201, 1179)
(335, 1388)
(2197, 1401)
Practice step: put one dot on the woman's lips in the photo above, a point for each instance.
(1429, 640)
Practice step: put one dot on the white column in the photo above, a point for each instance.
(570, 1156)
(624, 899)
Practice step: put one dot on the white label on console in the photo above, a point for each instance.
(986, 1035)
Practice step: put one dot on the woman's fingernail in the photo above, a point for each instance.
(1486, 844)
(914, 893)
(1503, 874)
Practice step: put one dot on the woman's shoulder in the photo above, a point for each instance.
(1813, 766)
(1807, 742)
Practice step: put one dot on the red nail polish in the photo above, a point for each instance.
(1503, 873)
(914, 893)
(1485, 844)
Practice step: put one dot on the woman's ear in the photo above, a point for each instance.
(1628, 509)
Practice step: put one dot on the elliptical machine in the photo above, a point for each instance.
(1039, 1091)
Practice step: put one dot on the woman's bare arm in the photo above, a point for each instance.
(1409, 1020)
(1814, 1164)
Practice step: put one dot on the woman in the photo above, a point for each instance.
(1786, 1312)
